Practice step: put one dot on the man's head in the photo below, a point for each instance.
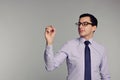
(87, 25)
(93, 19)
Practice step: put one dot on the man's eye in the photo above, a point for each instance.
(85, 23)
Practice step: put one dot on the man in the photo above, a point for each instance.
(85, 59)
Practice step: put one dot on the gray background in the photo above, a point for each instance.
(22, 43)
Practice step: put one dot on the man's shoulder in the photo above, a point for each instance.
(75, 40)
(98, 45)
(72, 42)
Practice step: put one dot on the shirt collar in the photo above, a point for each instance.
(82, 40)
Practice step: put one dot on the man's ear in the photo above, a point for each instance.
(94, 28)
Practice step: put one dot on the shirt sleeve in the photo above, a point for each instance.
(104, 68)
(53, 60)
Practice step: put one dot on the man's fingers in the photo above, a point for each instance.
(52, 30)
(49, 29)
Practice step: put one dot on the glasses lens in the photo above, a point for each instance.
(83, 24)
(78, 23)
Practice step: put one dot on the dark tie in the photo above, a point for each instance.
(87, 61)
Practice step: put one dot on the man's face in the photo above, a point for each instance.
(85, 28)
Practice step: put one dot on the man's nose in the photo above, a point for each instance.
(80, 26)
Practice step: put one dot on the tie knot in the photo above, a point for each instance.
(87, 43)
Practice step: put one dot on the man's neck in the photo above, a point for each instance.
(87, 38)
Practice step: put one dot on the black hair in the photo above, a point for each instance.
(92, 18)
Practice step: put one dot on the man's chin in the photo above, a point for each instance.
(82, 35)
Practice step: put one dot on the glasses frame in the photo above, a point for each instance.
(83, 24)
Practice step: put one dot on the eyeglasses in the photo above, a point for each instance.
(83, 24)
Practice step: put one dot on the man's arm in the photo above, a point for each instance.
(52, 61)
(104, 68)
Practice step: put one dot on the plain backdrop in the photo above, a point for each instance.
(22, 26)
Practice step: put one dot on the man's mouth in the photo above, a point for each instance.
(82, 30)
